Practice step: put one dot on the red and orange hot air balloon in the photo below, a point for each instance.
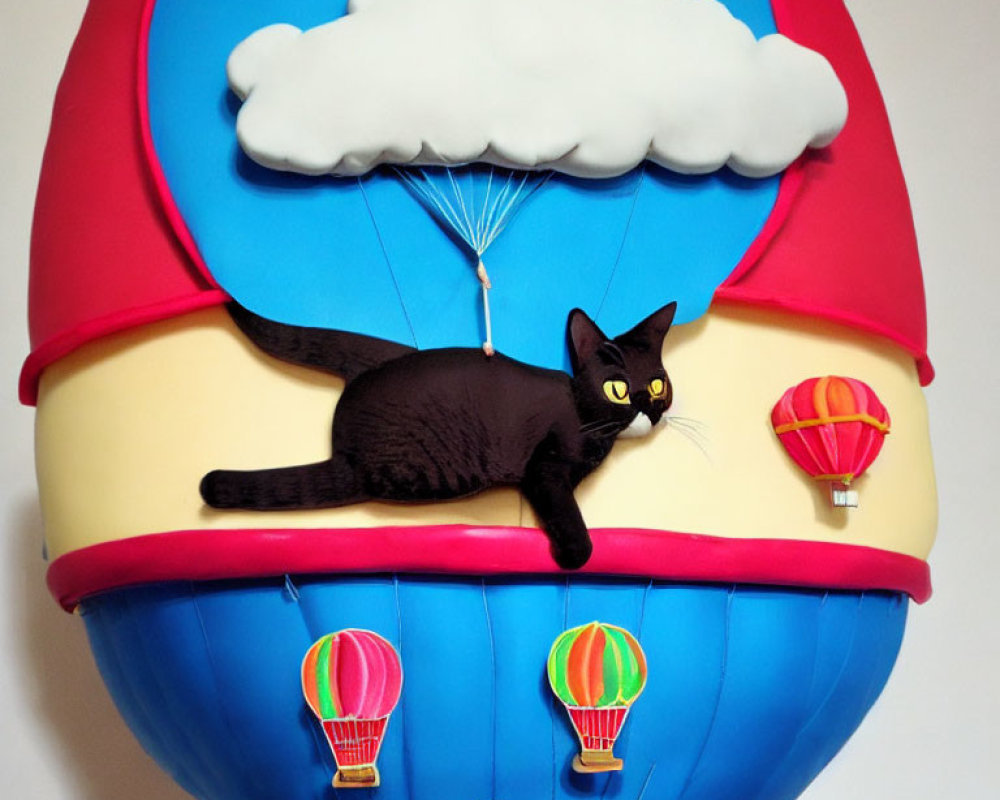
(833, 428)
(352, 680)
(597, 670)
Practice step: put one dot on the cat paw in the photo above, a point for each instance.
(573, 556)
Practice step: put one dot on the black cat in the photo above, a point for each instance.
(424, 425)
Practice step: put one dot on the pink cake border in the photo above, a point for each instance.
(214, 554)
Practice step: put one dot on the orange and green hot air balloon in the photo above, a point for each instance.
(352, 680)
(597, 670)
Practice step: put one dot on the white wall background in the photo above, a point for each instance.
(934, 734)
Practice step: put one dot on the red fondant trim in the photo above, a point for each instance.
(68, 341)
(160, 185)
(846, 251)
(461, 549)
(105, 256)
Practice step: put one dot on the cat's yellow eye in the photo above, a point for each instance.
(657, 388)
(616, 392)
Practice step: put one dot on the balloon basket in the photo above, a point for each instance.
(356, 744)
(597, 761)
(597, 729)
(363, 777)
(841, 496)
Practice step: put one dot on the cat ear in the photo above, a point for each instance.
(584, 338)
(652, 330)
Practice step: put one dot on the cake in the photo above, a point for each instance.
(783, 235)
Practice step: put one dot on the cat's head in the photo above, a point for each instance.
(620, 384)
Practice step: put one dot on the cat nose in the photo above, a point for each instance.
(644, 402)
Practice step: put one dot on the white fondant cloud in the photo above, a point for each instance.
(586, 87)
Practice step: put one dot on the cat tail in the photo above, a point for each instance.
(322, 485)
(342, 353)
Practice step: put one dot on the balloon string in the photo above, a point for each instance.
(484, 279)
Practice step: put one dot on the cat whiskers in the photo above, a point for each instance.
(689, 422)
(693, 430)
(606, 428)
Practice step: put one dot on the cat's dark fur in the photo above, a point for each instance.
(426, 425)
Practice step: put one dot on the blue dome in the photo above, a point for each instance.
(751, 690)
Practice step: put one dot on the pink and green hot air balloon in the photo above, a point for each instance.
(351, 680)
(597, 670)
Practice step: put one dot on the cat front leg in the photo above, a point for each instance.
(549, 490)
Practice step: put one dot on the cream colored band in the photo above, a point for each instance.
(128, 425)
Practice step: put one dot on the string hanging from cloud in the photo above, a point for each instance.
(475, 202)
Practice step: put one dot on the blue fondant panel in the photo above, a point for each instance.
(861, 672)
(367, 255)
(750, 690)
(112, 636)
(449, 660)
(771, 653)
(672, 720)
(527, 715)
